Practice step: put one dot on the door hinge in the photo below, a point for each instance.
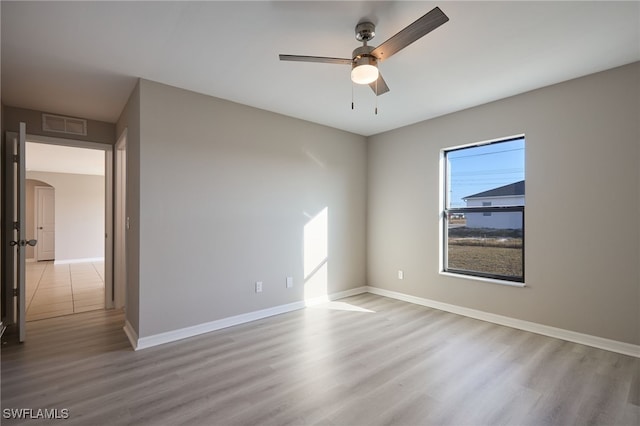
(16, 226)
(16, 293)
(16, 158)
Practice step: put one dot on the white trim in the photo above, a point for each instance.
(183, 333)
(82, 260)
(131, 335)
(545, 330)
(119, 219)
(483, 279)
(335, 296)
(485, 142)
(30, 260)
(348, 293)
(171, 336)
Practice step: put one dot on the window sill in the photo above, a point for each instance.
(483, 279)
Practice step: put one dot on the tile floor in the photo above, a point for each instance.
(55, 290)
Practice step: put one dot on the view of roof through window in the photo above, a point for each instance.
(484, 168)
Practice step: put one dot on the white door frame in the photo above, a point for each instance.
(119, 223)
(108, 193)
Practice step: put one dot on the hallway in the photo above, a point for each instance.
(56, 290)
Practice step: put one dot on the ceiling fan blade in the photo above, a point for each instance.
(379, 86)
(424, 25)
(316, 59)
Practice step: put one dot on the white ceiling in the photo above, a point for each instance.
(83, 58)
(63, 159)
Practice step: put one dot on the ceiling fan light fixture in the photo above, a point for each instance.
(365, 70)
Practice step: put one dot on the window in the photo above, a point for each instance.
(483, 213)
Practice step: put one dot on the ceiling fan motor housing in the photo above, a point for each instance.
(362, 55)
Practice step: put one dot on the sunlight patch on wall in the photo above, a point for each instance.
(316, 255)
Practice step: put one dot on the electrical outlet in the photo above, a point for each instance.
(289, 282)
(400, 274)
(258, 286)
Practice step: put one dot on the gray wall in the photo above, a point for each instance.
(225, 193)
(583, 204)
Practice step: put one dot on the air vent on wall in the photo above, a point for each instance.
(60, 124)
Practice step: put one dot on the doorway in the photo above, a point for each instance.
(70, 273)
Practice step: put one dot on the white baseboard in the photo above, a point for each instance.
(348, 293)
(559, 333)
(171, 336)
(183, 333)
(131, 335)
(30, 260)
(81, 260)
(335, 296)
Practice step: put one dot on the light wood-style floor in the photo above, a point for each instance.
(364, 360)
(55, 290)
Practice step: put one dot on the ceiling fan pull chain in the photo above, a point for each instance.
(352, 96)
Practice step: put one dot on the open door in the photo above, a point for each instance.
(14, 232)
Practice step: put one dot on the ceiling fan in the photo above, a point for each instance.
(364, 59)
